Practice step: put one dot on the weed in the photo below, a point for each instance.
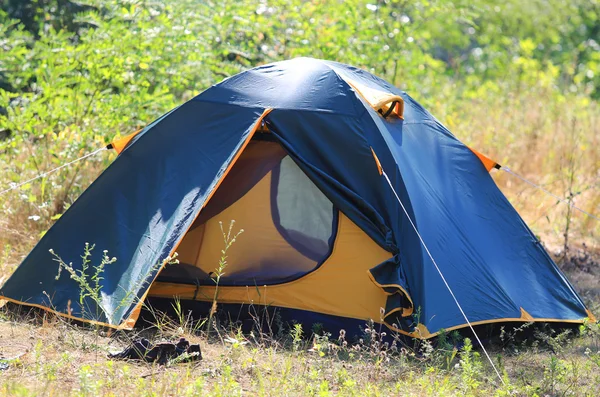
(511, 340)
(89, 279)
(296, 334)
(471, 367)
(89, 282)
(229, 239)
(591, 330)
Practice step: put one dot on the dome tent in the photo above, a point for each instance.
(295, 152)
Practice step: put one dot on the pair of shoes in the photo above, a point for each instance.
(161, 353)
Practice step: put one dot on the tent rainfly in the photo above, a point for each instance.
(297, 153)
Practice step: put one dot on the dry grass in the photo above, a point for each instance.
(548, 141)
(29, 211)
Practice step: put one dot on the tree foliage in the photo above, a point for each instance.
(104, 67)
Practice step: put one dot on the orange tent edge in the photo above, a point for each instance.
(488, 163)
(119, 144)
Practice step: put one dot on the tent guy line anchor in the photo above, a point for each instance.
(18, 185)
(562, 200)
(442, 276)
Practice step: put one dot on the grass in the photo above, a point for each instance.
(58, 358)
(551, 141)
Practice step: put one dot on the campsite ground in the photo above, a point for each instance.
(48, 356)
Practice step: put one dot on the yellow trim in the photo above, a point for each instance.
(379, 168)
(421, 332)
(407, 311)
(482, 322)
(526, 316)
(591, 316)
(123, 326)
(371, 95)
(135, 313)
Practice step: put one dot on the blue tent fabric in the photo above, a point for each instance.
(142, 205)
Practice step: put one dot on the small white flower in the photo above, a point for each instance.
(34, 218)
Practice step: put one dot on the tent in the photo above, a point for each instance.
(299, 153)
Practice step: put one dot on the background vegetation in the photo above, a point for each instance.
(517, 80)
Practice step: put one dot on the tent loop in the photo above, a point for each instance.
(18, 185)
(389, 111)
(442, 276)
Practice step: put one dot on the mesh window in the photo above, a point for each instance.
(301, 212)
